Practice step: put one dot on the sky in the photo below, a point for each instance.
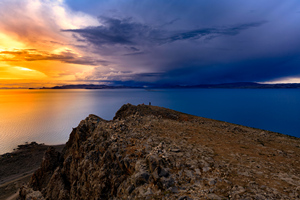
(148, 42)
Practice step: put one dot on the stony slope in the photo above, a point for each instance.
(148, 152)
(17, 167)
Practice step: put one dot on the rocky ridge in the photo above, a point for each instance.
(148, 152)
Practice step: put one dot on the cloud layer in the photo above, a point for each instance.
(31, 37)
(153, 42)
(194, 42)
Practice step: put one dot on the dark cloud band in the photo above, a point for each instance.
(35, 55)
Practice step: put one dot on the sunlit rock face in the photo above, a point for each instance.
(148, 152)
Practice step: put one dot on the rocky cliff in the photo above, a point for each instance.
(148, 152)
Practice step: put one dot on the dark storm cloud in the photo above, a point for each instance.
(259, 70)
(212, 32)
(127, 32)
(113, 31)
(35, 55)
(193, 42)
(126, 78)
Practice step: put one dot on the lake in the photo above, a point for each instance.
(48, 116)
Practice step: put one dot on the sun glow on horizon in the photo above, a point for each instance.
(24, 69)
(284, 80)
(16, 72)
(34, 52)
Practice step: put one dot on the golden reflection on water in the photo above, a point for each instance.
(33, 115)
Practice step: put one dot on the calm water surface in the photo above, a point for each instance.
(47, 116)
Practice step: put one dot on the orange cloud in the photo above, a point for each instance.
(11, 73)
(67, 56)
(33, 47)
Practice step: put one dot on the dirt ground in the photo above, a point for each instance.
(17, 167)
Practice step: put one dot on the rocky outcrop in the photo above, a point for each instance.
(148, 152)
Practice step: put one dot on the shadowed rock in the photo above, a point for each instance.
(148, 152)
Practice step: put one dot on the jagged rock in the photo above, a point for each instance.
(185, 198)
(148, 152)
(42, 176)
(30, 194)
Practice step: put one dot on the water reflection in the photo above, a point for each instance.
(47, 116)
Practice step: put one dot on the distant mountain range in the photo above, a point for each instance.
(84, 86)
(247, 85)
(239, 85)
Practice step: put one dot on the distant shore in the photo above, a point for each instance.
(236, 85)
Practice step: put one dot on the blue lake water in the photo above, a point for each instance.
(47, 116)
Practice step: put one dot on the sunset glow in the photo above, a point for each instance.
(69, 42)
(32, 47)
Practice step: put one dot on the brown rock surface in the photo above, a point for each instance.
(148, 152)
(17, 167)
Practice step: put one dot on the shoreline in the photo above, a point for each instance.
(16, 149)
(17, 167)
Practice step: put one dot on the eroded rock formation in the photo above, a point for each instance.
(149, 152)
